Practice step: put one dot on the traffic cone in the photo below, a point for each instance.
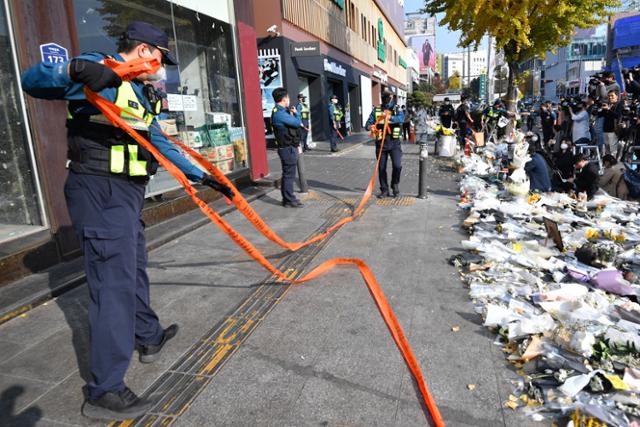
(467, 147)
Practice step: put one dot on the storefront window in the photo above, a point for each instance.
(19, 202)
(202, 94)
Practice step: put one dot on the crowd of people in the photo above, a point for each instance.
(605, 120)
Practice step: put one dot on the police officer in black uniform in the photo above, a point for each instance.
(104, 192)
(286, 128)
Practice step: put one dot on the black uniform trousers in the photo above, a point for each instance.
(289, 160)
(333, 139)
(303, 135)
(106, 215)
(392, 148)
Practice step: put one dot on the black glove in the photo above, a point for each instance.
(94, 75)
(211, 182)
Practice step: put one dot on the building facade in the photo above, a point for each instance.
(567, 71)
(468, 65)
(623, 42)
(210, 100)
(353, 49)
(417, 24)
(420, 34)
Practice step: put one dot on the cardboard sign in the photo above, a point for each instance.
(554, 233)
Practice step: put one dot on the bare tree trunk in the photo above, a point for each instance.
(512, 94)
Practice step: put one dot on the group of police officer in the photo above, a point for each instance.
(290, 130)
(105, 188)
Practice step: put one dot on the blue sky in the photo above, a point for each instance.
(446, 41)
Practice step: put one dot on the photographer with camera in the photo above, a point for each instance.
(607, 84)
(580, 122)
(563, 124)
(611, 113)
(631, 82)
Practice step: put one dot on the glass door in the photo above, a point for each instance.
(20, 200)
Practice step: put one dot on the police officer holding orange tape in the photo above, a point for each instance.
(392, 144)
(105, 191)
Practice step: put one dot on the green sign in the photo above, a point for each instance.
(340, 3)
(382, 51)
(402, 63)
(483, 86)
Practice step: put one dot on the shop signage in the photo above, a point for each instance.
(380, 76)
(402, 93)
(190, 102)
(178, 102)
(339, 3)
(334, 68)
(174, 101)
(382, 49)
(305, 49)
(402, 63)
(53, 53)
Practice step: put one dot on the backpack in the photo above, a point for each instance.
(632, 178)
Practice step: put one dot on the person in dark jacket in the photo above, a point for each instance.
(587, 178)
(564, 161)
(612, 179)
(537, 170)
(446, 113)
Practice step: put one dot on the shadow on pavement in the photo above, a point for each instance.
(317, 184)
(8, 417)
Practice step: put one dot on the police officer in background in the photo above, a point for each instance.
(391, 146)
(446, 113)
(286, 128)
(104, 192)
(335, 120)
(303, 112)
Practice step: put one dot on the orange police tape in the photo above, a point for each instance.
(113, 113)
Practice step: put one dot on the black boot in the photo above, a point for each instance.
(383, 193)
(150, 353)
(396, 190)
(119, 406)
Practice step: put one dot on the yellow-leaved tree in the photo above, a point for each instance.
(454, 81)
(524, 29)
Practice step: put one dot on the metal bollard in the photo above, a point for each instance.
(302, 179)
(422, 173)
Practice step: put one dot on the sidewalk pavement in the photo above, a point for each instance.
(254, 351)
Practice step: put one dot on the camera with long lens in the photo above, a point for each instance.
(595, 79)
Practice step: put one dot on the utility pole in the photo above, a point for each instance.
(469, 67)
(490, 76)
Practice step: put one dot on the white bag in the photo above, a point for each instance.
(447, 146)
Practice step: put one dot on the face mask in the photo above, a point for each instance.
(159, 75)
(563, 146)
(335, 101)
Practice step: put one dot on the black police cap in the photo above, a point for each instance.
(150, 34)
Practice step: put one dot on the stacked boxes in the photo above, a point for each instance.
(217, 147)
